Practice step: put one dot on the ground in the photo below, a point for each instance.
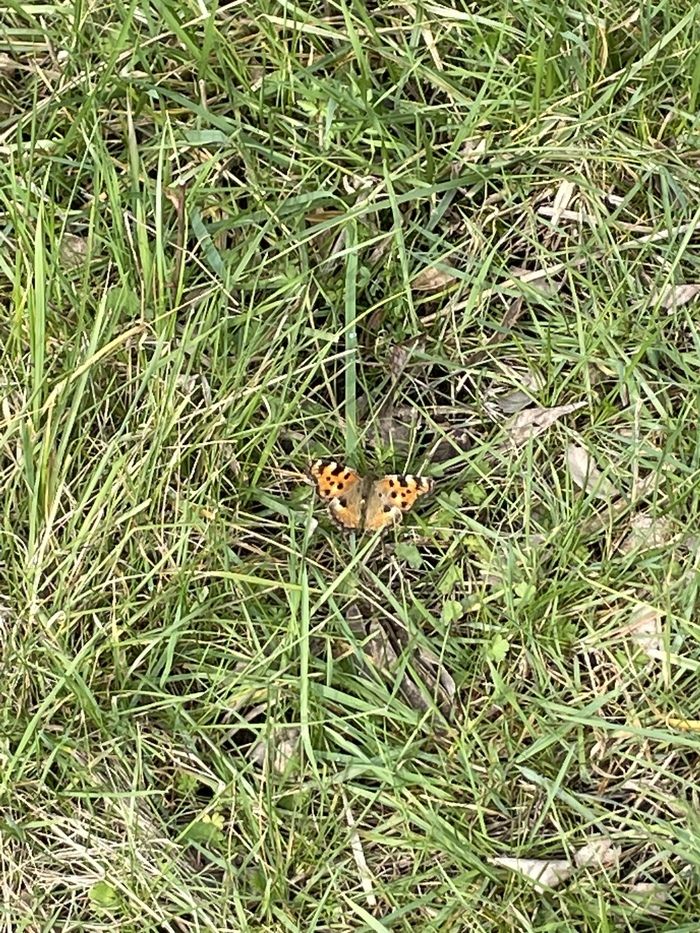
(458, 241)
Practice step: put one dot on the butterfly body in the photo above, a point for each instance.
(359, 503)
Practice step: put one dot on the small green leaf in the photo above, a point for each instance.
(121, 298)
(205, 830)
(451, 611)
(103, 894)
(499, 647)
(475, 493)
(451, 578)
(524, 591)
(185, 782)
(410, 554)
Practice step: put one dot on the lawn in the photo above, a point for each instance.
(457, 241)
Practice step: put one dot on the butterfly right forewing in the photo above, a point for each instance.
(391, 496)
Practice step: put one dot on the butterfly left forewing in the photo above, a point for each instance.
(391, 496)
(342, 489)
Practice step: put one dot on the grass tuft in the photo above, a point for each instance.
(237, 238)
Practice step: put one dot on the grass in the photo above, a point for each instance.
(239, 237)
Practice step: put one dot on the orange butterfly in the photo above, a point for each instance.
(362, 503)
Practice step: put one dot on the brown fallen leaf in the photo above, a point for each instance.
(358, 853)
(355, 618)
(586, 475)
(396, 426)
(537, 279)
(546, 873)
(437, 680)
(355, 183)
(432, 279)
(646, 532)
(456, 441)
(72, 251)
(8, 64)
(650, 893)
(645, 630)
(562, 199)
(512, 401)
(380, 649)
(599, 852)
(277, 750)
(397, 358)
(671, 296)
(430, 677)
(472, 150)
(533, 421)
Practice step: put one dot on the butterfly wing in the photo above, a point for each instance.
(391, 496)
(341, 488)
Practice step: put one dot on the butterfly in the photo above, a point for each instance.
(362, 503)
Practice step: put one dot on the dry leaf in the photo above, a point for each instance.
(72, 251)
(515, 400)
(650, 892)
(176, 196)
(456, 441)
(358, 854)
(396, 426)
(472, 150)
(432, 279)
(360, 183)
(355, 618)
(436, 678)
(546, 873)
(562, 199)
(195, 384)
(380, 649)
(646, 532)
(397, 358)
(675, 296)
(598, 853)
(278, 750)
(534, 421)
(645, 630)
(537, 279)
(644, 485)
(586, 475)
(379, 252)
